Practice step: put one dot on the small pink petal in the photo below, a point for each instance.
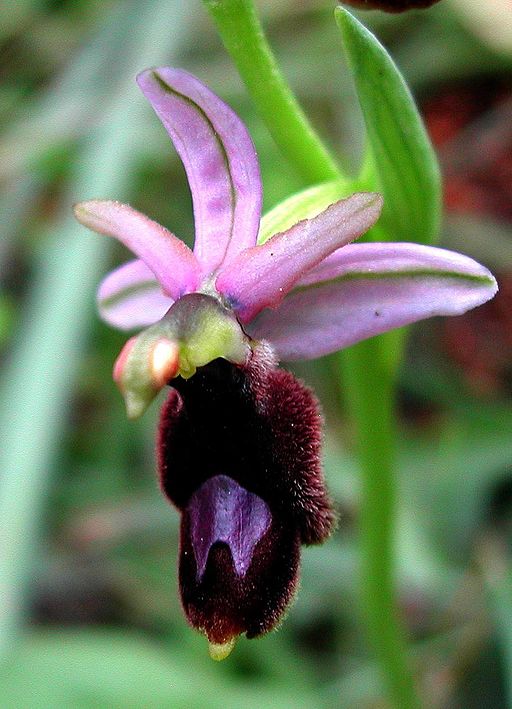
(219, 159)
(130, 297)
(366, 289)
(261, 276)
(170, 260)
(130, 277)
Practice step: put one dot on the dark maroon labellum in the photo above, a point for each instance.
(390, 5)
(239, 457)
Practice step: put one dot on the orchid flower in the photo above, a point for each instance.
(239, 438)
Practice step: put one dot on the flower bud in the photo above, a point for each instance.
(146, 363)
(195, 331)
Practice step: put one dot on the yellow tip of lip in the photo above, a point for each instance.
(219, 651)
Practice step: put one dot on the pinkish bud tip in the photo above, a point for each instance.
(119, 364)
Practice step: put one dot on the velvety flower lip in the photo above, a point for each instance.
(241, 529)
(239, 439)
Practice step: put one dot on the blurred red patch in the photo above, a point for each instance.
(471, 125)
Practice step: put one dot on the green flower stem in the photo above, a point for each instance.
(369, 374)
(369, 367)
(244, 39)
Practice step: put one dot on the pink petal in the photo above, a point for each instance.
(170, 260)
(130, 297)
(366, 289)
(219, 158)
(260, 277)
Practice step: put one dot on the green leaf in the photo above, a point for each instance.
(405, 167)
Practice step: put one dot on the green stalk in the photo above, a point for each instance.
(369, 367)
(241, 31)
(369, 376)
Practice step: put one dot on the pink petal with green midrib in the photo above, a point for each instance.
(261, 276)
(219, 159)
(170, 260)
(366, 289)
(130, 297)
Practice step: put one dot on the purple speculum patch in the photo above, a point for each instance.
(223, 511)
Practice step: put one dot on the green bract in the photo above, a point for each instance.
(404, 165)
(305, 204)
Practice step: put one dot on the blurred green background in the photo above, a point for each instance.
(89, 609)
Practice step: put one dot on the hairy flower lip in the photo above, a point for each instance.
(257, 424)
(262, 427)
(224, 605)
